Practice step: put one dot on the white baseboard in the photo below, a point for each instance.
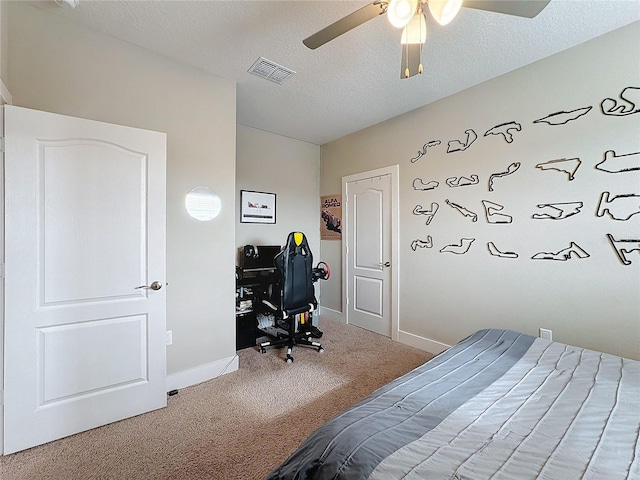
(422, 343)
(202, 373)
(331, 314)
(407, 338)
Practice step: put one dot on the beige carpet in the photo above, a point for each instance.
(238, 426)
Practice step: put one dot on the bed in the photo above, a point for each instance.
(498, 405)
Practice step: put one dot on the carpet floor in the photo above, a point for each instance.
(237, 426)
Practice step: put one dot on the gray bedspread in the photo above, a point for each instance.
(498, 405)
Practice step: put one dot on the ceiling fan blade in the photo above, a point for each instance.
(520, 8)
(410, 60)
(345, 24)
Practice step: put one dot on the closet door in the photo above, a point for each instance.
(370, 251)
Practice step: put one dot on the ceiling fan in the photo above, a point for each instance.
(409, 15)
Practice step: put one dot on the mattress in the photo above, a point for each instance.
(498, 405)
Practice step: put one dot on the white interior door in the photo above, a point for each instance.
(370, 256)
(84, 226)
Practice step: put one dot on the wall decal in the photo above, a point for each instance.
(623, 247)
(491, 210)
(504, 129)
(432, 143)
(493, 250)
(628, 104)
(561, 118)
(418, 184)
(463, 210)
(465, 245)
(458, 146)
(558, 211)
(462, 181)
(613, 163)
(417, 243)
(510, 169)
(565, 254)
(566, 165)
(619, 207)
(420, 210)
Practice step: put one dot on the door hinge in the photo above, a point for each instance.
(1, 270)
(1, 144)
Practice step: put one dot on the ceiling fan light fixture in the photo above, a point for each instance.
(444, 10)
(415, 31)
(400, 12)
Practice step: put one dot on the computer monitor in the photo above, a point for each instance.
(255, 258)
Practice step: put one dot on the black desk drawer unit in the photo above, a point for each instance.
(246, 330)
(251, 287)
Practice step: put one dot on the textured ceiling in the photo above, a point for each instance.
(354, 81)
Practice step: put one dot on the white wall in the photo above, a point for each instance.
(592, 302)
(58, 66)
(289, 168)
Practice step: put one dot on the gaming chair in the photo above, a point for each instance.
(294, 299)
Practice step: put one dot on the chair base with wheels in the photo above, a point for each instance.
(285, 334)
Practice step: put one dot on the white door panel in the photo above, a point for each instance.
(368, 296)
(369, 253)
(64, 378)
(85, 226)
(368, 213)
(76, 178)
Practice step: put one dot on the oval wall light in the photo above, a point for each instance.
(203, 204)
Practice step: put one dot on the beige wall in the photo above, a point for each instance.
(592, 302)
(58, 66)
(4, 43)
(289, 168)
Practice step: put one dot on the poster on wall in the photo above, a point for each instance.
(331, 217)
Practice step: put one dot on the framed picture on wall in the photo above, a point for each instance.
(257, 207)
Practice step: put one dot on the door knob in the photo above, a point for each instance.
(385, 264)
(154, 286)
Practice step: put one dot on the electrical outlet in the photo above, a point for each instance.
(546, 334)
(168, 337)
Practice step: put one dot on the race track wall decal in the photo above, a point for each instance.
(564, 165)
(423, 152)
(614, 206)
(557, 211)
(619, 207)
(511, 169)
(505, 129)
(461, 249)
(459, 146)
(613, 163)
(623, 247)
(628, 103)
(562, 118)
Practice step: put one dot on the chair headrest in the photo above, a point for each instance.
(297, 242)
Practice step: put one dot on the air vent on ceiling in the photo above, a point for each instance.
(271, 71)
